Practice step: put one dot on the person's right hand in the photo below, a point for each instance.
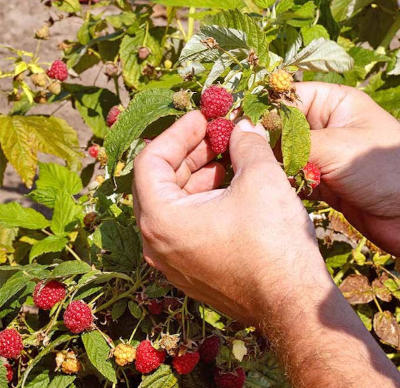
(356, 144)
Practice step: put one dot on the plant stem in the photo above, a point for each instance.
(192, 10)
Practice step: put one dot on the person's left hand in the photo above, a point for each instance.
(239, 249)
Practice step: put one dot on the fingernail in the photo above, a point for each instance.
(246, 126)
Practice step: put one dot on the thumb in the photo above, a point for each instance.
(249, 149)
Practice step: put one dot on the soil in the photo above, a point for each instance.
(19, 20)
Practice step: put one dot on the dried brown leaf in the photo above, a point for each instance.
(387, 328)
(357, 290)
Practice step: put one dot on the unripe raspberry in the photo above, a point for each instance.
(58, 70)
(181, 100)
(233, 379)
(124, 354)
(155, 307)
(280, 81)
(10, 343)
(102, 156)
(39, 79)
(148, 358)
(219, 132)
(186, 363)
(9, 372)
(46, 295)
(215, 102)
(42, 32)
(143, 53)
(272, 121)
(78, 316)
(68, 361)
(41, 97)
(113, 114)
(54, 87)
(93, 151)
(209, 349)
(168, 64)
(312, 175)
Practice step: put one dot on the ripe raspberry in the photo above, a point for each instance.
(233, 379)
(312, 175)
(78, 316)
(124, 354)
(209, 349)
(93, 151)
(186, 363)
(9, 372)
(113, 114)
(10, 343)
(46, 295)
(219, 132)
(155, 307)
(272, 121)
(215, 102)
(58, 70)
(148, 358)
(280, 81)
(181, 100)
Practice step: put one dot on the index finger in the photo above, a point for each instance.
(155, 167)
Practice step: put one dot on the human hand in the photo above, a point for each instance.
(356, 144)
(240, 249)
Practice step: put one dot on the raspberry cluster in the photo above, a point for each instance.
(186, 363)
(78, 316)
(10, 343)
(209, 349)
(219, 133)
(58, 70)
(233, 379)
(124, 354)
(46, 295)
(312, 175)
(113, 114)
(280, 81)
(215, 102)
(148, 358)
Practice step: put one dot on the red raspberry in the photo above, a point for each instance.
(312, 175)
(58, 70)
(219, 132)
(209, 349)
(233, 379)
(78, 316)
(215, 102)
(148, 358)
(93, 151)
(186, 363)
(112, 115)
(46, 295)
(9, 372)
(155, 307)
(10, 343)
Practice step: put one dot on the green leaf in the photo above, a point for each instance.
(131, 66)
(254, 107)
(211, 317)
(69, 6)
(255, 36)
(314, 32)
(65, 213)
(300, 15)
(118, 309)
(134, 309)
(161, 378)
(365, 313)
(28, 135)
(39, 379)
(14, 215)
(222, 4)
(323, 55)
(147, 107)
(48, 244)
(264, 3)
(156, 291)
(3, 376)
(69, 268)
(122, 243)
(327, 20)
(388, 99)
(61, 381)
(98, 353)
(52, 179)
(296, 140)
(93, 104)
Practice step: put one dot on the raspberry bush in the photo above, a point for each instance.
(78, 304)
